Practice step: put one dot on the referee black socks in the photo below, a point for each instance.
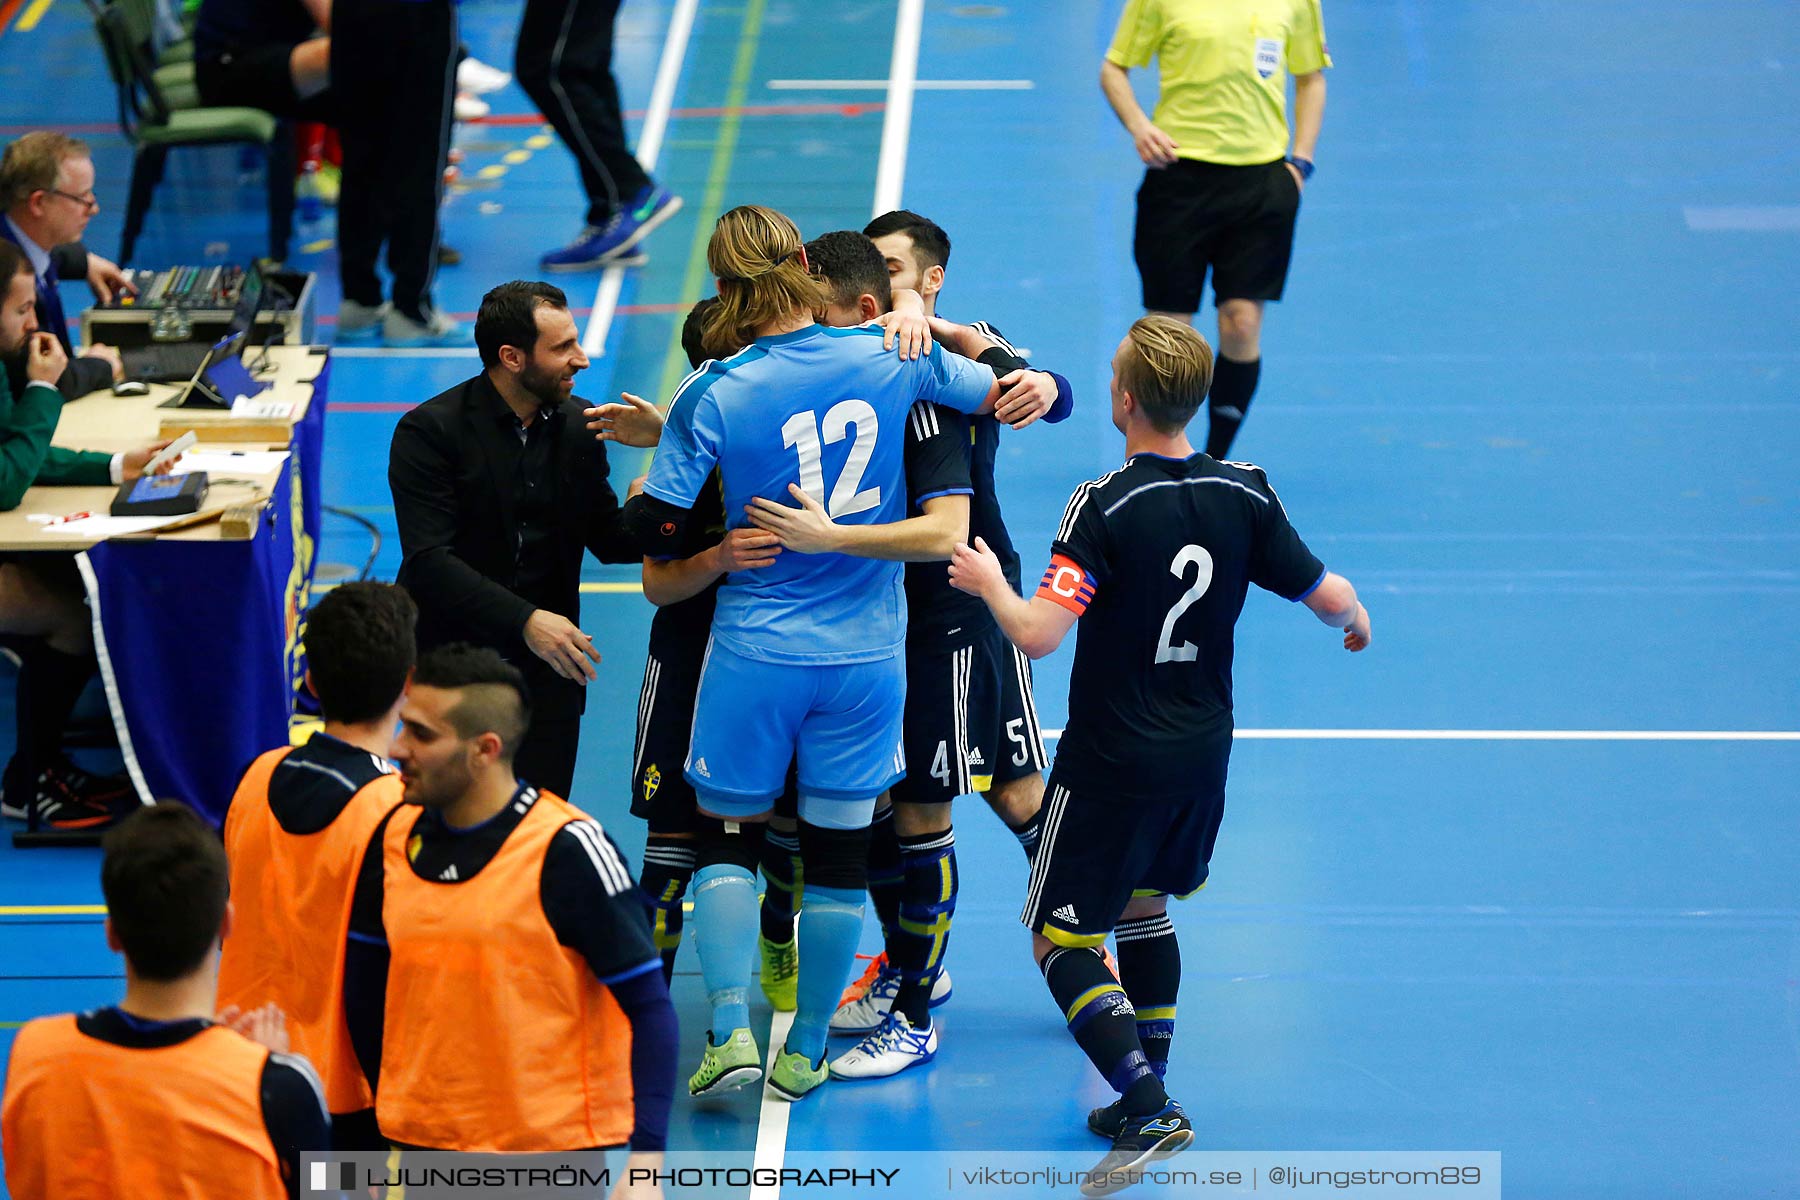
(1233, 383)
(1100, 1016)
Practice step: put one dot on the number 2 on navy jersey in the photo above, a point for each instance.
(1201, 561)
(802, 433)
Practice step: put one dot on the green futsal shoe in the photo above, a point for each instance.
(781, 972)
(794, 1075)
(727, 1066)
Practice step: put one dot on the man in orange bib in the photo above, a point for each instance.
(150, 1097)
(501, 987)
(295, 835)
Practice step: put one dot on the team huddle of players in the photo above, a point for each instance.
(465, 959)
(819, 677)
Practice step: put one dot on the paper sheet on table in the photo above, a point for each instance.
(262, 406)
(230, 464)
(105, 527)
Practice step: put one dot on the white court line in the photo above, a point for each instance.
(650, 140)
(882, 85)
(890, 176)
(1743, 219)
(772, 1121)
(1507, 735)
(896, 122)
(404, 352)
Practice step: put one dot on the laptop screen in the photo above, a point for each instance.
(250, 293)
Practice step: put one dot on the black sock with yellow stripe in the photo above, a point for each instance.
(885, 875)
(1150, 969)
(782, 879)
(927, 902)
(668, 866)
(1100, 1016)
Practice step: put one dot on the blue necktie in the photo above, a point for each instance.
(55, 321)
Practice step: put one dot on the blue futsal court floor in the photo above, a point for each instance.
(1533, 390)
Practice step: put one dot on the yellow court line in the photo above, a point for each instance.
(712, 201)
(52, 910)
(614, 589)
(33, 15)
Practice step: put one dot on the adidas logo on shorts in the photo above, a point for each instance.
(1066, 913)
(700, 770)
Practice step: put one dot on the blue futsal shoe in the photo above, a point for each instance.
(605, 245)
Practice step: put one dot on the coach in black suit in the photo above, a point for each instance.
(498, 487)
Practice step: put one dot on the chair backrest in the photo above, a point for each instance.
(125, 36)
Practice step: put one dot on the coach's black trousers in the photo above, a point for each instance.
(393, 71)
(546, 758)
(564, 63)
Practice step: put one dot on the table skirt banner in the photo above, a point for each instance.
(199, 641)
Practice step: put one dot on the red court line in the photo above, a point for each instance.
(496, 120)
(8, 10)
(91, 128)
(580, 311)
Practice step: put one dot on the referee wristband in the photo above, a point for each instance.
(1302, 165)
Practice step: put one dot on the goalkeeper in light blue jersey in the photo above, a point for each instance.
(806, 658)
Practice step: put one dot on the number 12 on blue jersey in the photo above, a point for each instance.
(803, 432)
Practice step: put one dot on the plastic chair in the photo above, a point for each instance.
(154, 126)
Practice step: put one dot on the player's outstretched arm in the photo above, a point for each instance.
(636, 422)
(1334, 602)
(670, 581)
(809, 529)
(1035, 626)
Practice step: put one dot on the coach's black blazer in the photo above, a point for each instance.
(457, 530)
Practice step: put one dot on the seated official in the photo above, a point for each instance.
(151, 1097)
(501, 988)
(262, 54)
(296, 832)
(497, 491)
(47, 198)
(41, 595)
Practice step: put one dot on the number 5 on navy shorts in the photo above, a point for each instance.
(841, 721)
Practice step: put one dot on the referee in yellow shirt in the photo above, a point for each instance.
(1222, 189)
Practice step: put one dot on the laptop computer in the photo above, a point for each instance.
(174, 362)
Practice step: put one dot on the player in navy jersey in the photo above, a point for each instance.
(805, 658)
(1155, 559)
(971, 723)
(500, 986)
(686, 591)
(954, 663)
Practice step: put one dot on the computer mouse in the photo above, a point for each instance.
(131, 387)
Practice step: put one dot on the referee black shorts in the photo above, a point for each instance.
(1099, 850)
(1237, 221)
(970, 720)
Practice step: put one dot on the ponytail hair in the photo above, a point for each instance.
(756, 254)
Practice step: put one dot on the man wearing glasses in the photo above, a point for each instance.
(47, 197)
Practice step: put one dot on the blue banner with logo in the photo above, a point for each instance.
(199, 641)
